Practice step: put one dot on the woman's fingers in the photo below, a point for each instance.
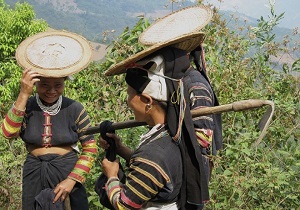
(103, 144)
(31, 76)
(109, 168)
(60, 192)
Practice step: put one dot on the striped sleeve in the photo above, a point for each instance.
(12, 123)
(89, 149)
(85, 161)
(145, 179)
(201, 97)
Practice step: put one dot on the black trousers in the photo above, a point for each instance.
(47, 171)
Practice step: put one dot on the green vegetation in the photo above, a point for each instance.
(15, 26)
(240, 65)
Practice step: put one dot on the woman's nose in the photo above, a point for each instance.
(51, 90)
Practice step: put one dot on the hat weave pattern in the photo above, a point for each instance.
(179, 23)
(54, 53)
(180, 29)
(49, 53)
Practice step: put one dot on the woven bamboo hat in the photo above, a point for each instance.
(54, 53)
(180, 29)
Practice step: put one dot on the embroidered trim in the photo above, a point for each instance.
(152, 132)
(47, 135)
(19, 110)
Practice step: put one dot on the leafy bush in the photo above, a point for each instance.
(240, 65)
(16, 25)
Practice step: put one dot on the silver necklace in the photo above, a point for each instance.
(51, 110)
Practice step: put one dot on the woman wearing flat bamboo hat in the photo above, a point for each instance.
(167, 170)
(51, 124)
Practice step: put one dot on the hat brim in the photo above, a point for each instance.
(184, 21)
(187, 42)
(54, 53)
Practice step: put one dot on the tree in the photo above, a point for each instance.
(240, 67)
(16, 24)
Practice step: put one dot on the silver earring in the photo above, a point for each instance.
(148, 107)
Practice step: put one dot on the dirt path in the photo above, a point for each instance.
(99, 51)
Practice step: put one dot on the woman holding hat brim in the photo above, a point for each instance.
(51, 125)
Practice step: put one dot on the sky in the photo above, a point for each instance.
(258, 8)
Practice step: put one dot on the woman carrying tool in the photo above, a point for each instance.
(167, 170)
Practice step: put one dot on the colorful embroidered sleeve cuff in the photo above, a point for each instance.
(113, 190)
(12, 122)
(85, 161)
(204, 137)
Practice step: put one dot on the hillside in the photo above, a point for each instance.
(94, 17)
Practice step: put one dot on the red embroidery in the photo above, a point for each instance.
(47, 135)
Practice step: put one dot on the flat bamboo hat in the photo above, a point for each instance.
(180, 29)
(54, 53)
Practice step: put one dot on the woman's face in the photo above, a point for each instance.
(135, 103)
(49, 89)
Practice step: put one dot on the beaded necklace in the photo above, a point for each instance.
(51, 110)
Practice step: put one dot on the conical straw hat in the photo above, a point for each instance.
(54, 53)
(180, 29)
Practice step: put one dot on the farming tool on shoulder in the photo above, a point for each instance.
(235, 106)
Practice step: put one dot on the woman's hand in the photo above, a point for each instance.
(104, 145)
(122, 150)
(63, 189)
(110, 169)
(29, 78)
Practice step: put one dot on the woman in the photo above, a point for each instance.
(155, 176)
(163, 87)
(163, 166)
(51, 125)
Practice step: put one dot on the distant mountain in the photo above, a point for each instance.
(91, 18)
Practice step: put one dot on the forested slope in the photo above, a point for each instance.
(244, 176)
(94, 17)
